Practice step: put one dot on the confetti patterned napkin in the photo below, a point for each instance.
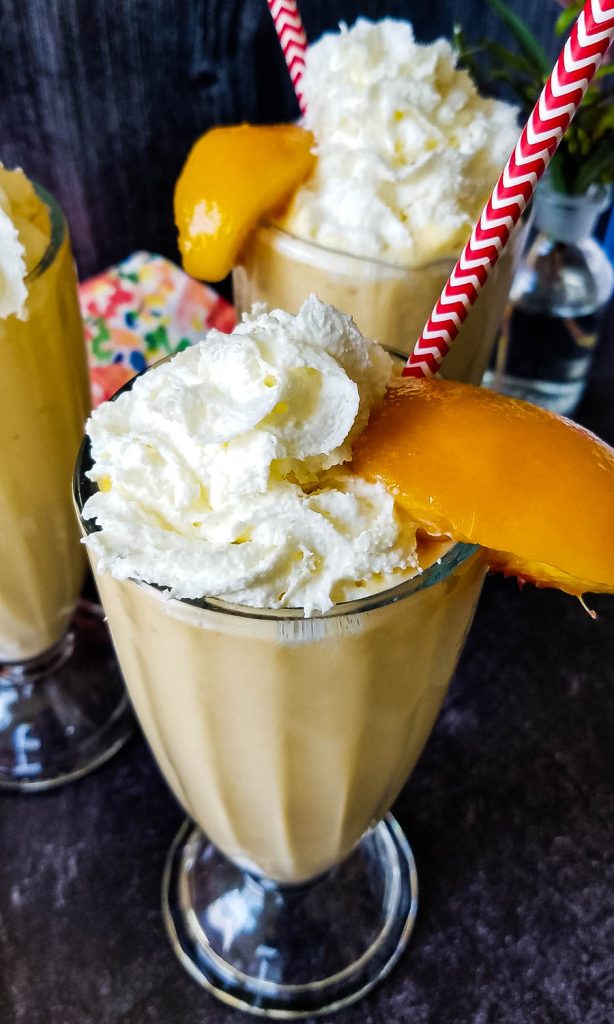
(141, 310)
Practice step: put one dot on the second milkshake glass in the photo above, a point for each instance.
(63, 707)
(287, 739)
(388, 301)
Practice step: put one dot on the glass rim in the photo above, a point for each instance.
(441, 263)
(58, 230)
(438, 572)
(83, 488)
(598, 195)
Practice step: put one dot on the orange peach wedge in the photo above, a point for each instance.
(232, 178)
(533, 489)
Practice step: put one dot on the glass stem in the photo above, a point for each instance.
(41, 666)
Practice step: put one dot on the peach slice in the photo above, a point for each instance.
(232, 178)
(533, 489)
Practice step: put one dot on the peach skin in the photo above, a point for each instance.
(232, 178)
(535, 490)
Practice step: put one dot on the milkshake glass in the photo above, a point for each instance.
(389, 302)
(407, 152)
(63, 708)
(292, 890)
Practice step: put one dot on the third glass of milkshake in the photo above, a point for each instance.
(287, 637)
(407, 151)
(62, 702)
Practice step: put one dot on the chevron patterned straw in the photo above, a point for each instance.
(293, 40)
(582, 54)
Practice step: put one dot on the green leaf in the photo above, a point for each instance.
(567, 17)
(604, 70)
(598, 167)
(464, 52)
(527, 41)
(556, 172)
(466, 58)
(458, 37)
(605, 98)
(585, 142)
(526, 96)
(591, 96)
(514, 60)
(605, 123)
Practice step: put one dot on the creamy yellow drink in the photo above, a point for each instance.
(389, 302)
(287, 715)
(44, 401)
(407, 153)
(286, 738)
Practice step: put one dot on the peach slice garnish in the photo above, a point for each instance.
(232, 178)
(533, 489)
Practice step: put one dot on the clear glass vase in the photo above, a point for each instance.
(63, 706)
(557, 302)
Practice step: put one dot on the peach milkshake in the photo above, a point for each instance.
(287, 638)
(407, 152)
(44, 402)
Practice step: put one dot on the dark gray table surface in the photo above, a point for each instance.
(510, 813)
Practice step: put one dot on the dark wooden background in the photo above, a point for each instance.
(101, 99)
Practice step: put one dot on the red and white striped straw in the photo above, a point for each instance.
(582, 54)
(293, 40)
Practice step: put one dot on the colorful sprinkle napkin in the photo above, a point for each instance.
(141, 310)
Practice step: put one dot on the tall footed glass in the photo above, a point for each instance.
(63, 708)
(291, 890)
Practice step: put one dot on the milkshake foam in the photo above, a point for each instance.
(223, 474)
(407, 148)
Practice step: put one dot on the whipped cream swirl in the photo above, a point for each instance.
(25, 232)
(407, 149)
(13, 291)
(221, 472)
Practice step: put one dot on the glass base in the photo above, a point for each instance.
(64, 712)
(290, 951)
